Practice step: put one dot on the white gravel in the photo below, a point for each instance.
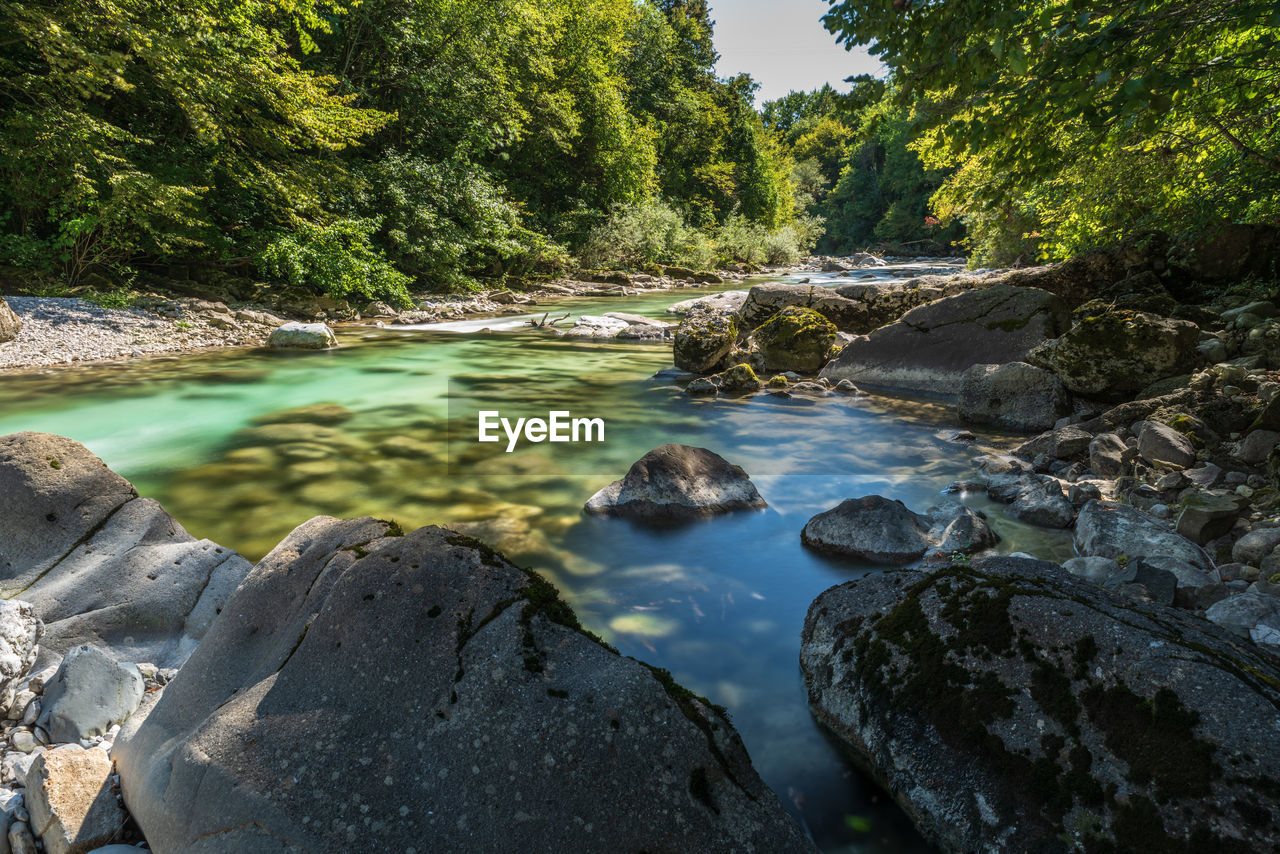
(60, 331)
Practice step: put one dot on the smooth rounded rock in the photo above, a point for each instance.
(674, 482)
(303, 336)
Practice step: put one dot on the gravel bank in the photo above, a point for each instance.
(60, 331)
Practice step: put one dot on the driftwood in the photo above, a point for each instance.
(547, 322)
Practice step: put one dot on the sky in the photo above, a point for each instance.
(783, 45)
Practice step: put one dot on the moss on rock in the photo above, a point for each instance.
(796, 339)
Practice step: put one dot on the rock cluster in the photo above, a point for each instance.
(881, 530)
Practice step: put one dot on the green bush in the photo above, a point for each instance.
(336, 259)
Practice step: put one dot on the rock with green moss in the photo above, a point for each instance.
(795, 339)
(739, 378)
(1011, 707)
(1118, 353)
(703, 340)
(498, 717)
(10, 325)
(931, 347)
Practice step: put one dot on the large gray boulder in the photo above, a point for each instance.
(99, 564)
(367, 691)
(674, 482)
(1162, 445)
(1116, 354)
(90, 693)
(1016, 396)
(886, 531)
(932, 346)
(764, 301)
(302, 336)
(1010, 707)
(1108, 529)
(10, 325)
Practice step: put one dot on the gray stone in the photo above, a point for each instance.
(90, 692)
(725, 302)
(1205, 476)
(10, 325)
(303, 336)
(1102, 571)
(674, 482)
(1118, 353)
(764, 301)
(1254, 448)
(99, 564)
(1254, 546)
(21, 840)
(73, 809)
(885, 531)
(703, 341)
(931, 347)
(498, 722)
(962, 687)
(1109, 455)
(1108, 529)
(1249, 615)
(1160, 444)
(1206, 517)
(1016, 396)
(1043, 504)
(20, 632)
(1070, 443)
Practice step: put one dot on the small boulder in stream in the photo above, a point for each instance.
(367, 690)
(303, 336)
(1010, 707)
(675, 482)
(886, 531)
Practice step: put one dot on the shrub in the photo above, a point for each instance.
(336, 259)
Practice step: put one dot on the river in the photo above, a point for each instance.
(216, 438)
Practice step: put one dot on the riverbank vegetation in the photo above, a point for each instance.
(368, 149)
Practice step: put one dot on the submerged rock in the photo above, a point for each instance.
(675, 482)
(497, 722)
(1009, 706)
(931, 347)
(99, 564)
(1016, 396)
(303, 336)
(886, 531)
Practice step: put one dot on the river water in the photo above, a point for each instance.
(242, 446)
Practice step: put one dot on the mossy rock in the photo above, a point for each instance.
(703, 340)
(796, 339)
(739, 378)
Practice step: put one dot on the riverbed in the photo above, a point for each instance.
(242, 446)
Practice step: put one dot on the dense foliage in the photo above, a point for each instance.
(435, 142)
(1072, 122)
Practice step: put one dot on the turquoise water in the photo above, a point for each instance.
(217, 439)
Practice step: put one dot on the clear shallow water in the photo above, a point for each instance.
(720, 603)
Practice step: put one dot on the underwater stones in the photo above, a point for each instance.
(317, 413)
(675, 482)
(765, 301)
(703, 340)
(886, 531)
(1016, 396)
(99, 564)
(930, 347)
(10, 325)
(795, 339)
(1160, 444)
(1118, 353)
(497, 718)
(1007, 705)
(302, 336)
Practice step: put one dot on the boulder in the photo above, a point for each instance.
(1254, 448)
(1119, 353)
(20, 632)
(1207, 517)
(674, 482)
(1015, 396)
(1252, 615)
(764, 301)
(99, 564)
(1158, 444)
(885, 531)
(1108, 529)
(931, 347)
(10, 325)
(1102, 571)
(795, 339)
(497, 722)
(73, 809)
(1042, 503)
(725, 302)
(1009, 706)
(740, 378)
(90, 693)
(1070, 443)
(1256, 545)
(703, 340)
(1263, 341)
(303, 336)
(1109, 456)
